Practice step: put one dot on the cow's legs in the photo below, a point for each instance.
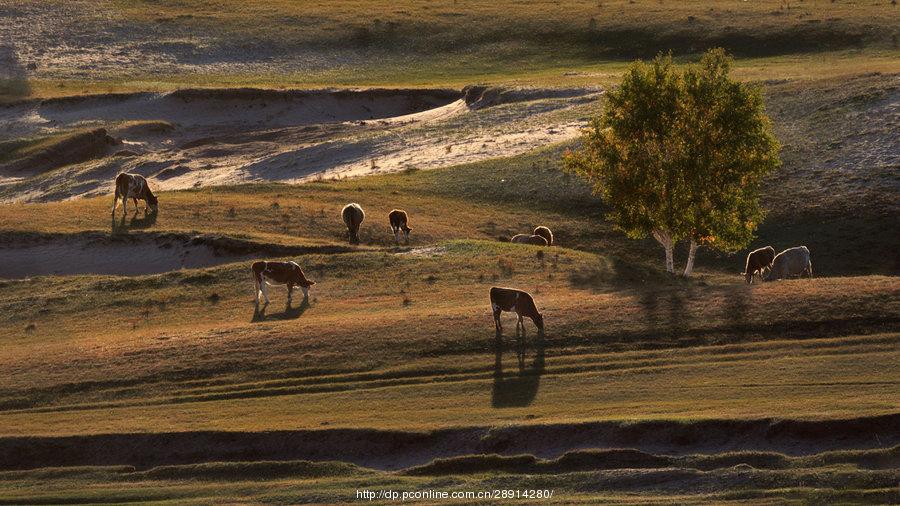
(305, 292)
(290, 287)
(520, 324)
(256, 289)
(264, 288)
(497, 326)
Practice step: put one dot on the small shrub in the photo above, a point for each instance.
(406, 301)
(31, 327)
(231, 212)
(214, 298)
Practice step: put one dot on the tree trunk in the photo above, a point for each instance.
(665, 239)
(689, 267)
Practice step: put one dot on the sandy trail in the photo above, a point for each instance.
(194, 138)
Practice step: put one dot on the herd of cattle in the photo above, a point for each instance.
(769, 266)
(762, 262)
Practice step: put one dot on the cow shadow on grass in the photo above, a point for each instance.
(290, 312)
(518, 388)
(140, 220)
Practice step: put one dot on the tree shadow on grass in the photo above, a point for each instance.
(289, 313)
(613, 273)
(687, 313)
(666, 310)
(518, 389)
(737, 304)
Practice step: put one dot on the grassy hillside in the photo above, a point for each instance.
(611, 28)
(431, 297)
(415, 42)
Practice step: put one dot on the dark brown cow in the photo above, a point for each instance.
(133, 186)
(399, 221)
(529, 239)
(517, 301)
(279, 273)
(353, 216)
(545, 233)
(757, 262)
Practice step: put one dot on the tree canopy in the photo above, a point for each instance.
(680, 155)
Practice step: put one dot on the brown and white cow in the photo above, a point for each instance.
(529, 239)
(545, 233)
(135, 187)
(517, 301)
(757, 262)
(399, 221)
(279, 273)
(353, 216)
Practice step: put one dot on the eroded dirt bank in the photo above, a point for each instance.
(198, 137)
(29, 255)
(392, 450)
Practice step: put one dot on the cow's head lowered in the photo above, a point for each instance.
(152, 201)
(298, 278)
(406, 230)
(538, 320)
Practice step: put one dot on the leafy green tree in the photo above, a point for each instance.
(681, 155)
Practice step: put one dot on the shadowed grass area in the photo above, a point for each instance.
(615, 480)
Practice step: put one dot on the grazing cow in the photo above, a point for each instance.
(529, 239)
(133, 186)
(353, 216)
(791, 262)
(510, 299)
(279, 273)
(757, 262)
(399, 221)
(545, 233)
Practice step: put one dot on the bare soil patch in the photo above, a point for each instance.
(29, 255)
